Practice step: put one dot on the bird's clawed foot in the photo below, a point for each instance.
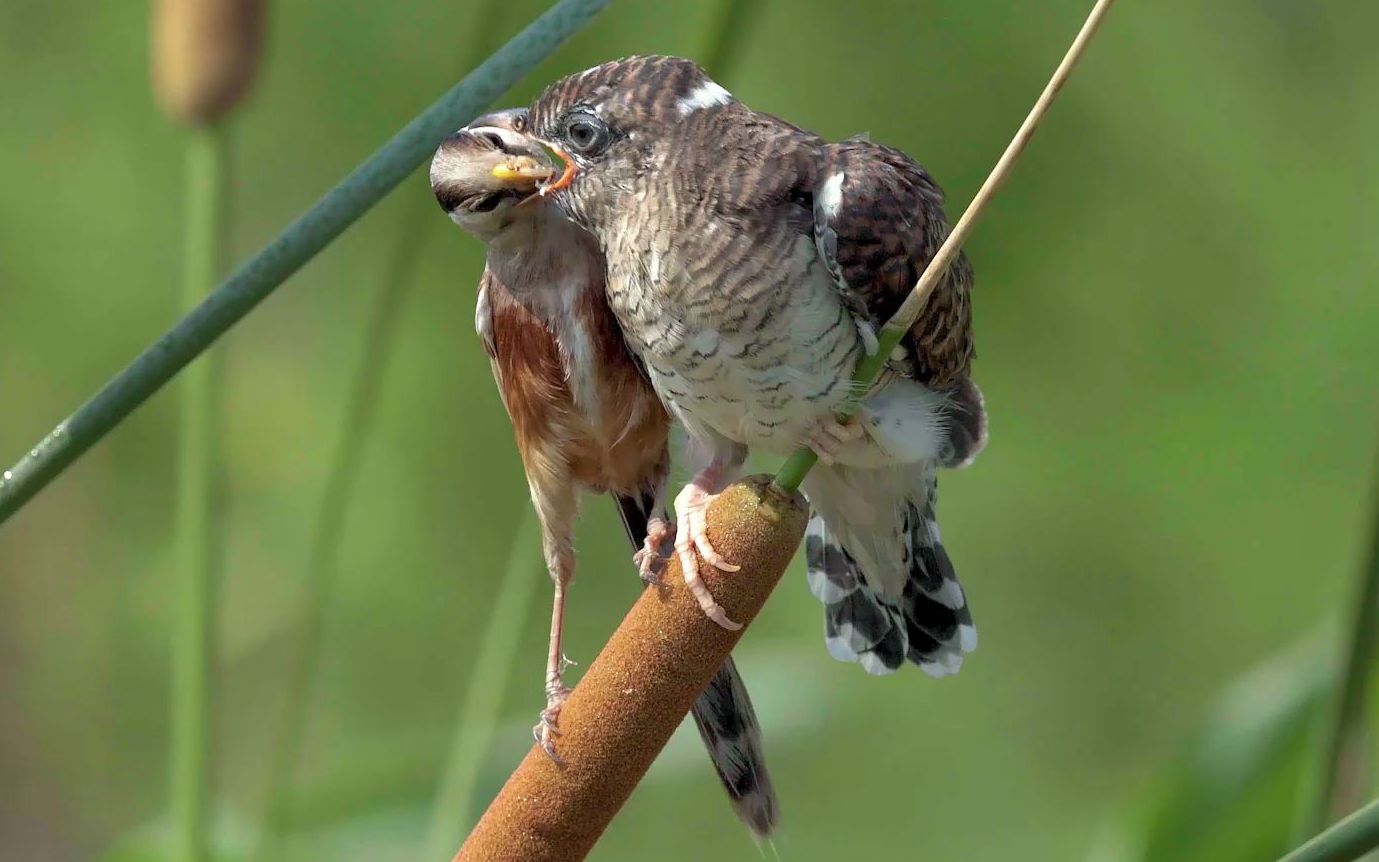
(548, 728)
(691, 534)
(650, 559)
(829, 438)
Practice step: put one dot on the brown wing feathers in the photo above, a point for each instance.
(888, 224)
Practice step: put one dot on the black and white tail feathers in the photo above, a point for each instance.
(903, 601)
(724, 715)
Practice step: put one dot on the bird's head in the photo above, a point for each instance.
(617, 123)
(482, 174)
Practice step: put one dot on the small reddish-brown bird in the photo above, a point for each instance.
(584, 414)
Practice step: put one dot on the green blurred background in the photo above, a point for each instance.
(1179, 344)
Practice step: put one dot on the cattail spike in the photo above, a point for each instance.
(205, 56)
(639, 688)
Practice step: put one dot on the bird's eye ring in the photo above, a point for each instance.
(585, 134)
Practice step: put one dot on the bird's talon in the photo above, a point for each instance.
(691, 536)
(688, 562)
(650, 564)
(650, 560)
(830, 436)
(548, 728)
(545, 734)
(715, 612)
(714, 558)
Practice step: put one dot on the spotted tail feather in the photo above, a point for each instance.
(876, 561)
(724, 715)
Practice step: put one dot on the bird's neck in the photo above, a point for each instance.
(547, 264)
(555, 271)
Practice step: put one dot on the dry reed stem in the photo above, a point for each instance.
(914, 304)
(869, 369)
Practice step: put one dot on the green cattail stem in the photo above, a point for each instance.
(194, 634)
(793, 471)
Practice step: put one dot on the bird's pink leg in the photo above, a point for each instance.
(649, 559)
(830, 436)
(553, 495)
(691, 534)
(546, 729)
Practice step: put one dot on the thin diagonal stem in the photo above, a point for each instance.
(797, 467)
(1348, 840)
(194, 633)
(1346, 716)
(289, 251)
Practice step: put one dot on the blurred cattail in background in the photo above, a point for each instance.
(205, 56)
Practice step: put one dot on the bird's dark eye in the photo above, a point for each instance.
(585, 134)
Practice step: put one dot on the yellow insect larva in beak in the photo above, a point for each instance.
(522, 169)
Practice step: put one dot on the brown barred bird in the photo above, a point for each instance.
(584, 416)
(750, 264)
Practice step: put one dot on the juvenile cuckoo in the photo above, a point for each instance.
(750, 264)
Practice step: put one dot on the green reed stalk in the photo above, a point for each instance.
(1348, 840)
(193, 646)
(1346, 718)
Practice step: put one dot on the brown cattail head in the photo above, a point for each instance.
(640, 687)
(205, 55)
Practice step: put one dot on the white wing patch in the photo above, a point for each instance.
(831, 195)
(706, 95)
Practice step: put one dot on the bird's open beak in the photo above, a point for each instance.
(479, 167)
(567, 176)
